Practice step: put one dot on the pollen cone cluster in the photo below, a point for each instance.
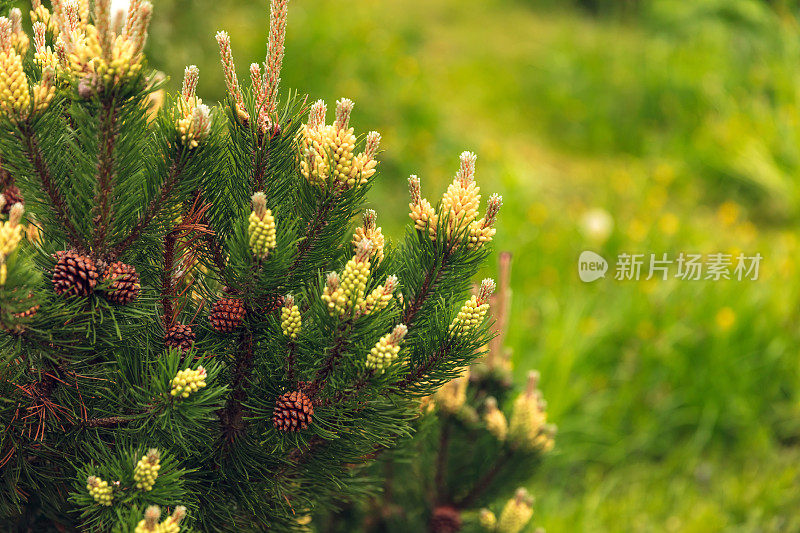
(261, 227)
(150, 523)
(474, 310)
(146, 471)
(15, 96)
(516, 514)
(100, 490)
(342, 294)
(369, 231)
(93, 52)
(457, 218)
(293, 412)
(386, 350)
(194, 117)
(528, 429)
(328, 151)
(290, 317)
(10, 236)
(186, 382)
(495, 420)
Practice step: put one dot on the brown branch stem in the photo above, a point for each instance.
(152, 209)
(290, 356)
(260, 161)
(232, 414)
(335, 353)
(105, 174)
(312, 231)
(431, 279)
(107, 422)
(441, 462)
(167, 280)
(484, 482)
(34, 155)
(415, 375)
(344, 395)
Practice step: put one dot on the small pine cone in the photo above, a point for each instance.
(273, 302)
(125, 286)
(13, 196)
(74, 274)
(292, 412)
(180, 336)
(227, 314)
(445, 519)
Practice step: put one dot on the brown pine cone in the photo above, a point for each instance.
(74, 274)
(273, 302)
(13, 196)
(227, 314)
(445, 519)
(180, 336)
(125, 286)
(292, 412)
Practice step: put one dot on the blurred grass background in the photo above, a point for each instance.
(677, 401)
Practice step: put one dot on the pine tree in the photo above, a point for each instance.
(194, 336)
(477, 438)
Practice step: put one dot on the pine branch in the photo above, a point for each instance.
(105, 173)
(441, 462)
(232, 414)
(416, 374)
(217, 255)
(311, 235)
(6, 179)
(432, 278)
(260, 161)
(167, 281)
(108, 422)
(339, 344)
(34, 155)
(347, 394)
(484, 482)
(290, 360)
(152, 210)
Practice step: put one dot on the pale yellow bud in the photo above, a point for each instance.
(487, 519)
(495, 420)
(188, 381)
(386, 350)
(146, 471)
(516, 514)
(100, 490)
(261, 228)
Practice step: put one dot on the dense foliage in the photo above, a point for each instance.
(195, 326)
